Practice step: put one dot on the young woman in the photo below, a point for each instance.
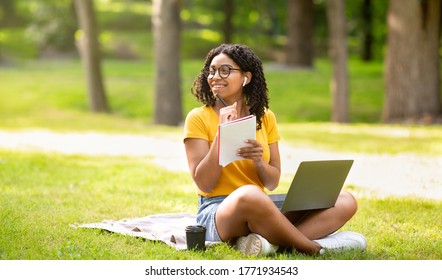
(232, 202)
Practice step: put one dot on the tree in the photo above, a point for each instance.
(8, 15)
(412, 64)
(90, 55)
(367, 31)
(52, 26)
(300, 22)
(338, 54)
(228, 8)
(166, 31)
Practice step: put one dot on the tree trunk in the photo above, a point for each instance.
(166, 30)
(90, 55)
(227, 24)
(412, 63)
(367, 31)
(338, 54)
(8, 15)
(300, 23)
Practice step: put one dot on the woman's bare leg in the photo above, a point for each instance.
(319, 223)
(249, 209)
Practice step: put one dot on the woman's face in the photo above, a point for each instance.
(225, 77)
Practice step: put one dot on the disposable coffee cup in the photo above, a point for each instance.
(196, 237)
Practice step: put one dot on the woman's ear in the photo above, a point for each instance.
(247, 78)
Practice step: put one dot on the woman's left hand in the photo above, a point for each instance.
(252, 150)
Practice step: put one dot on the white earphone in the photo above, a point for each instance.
(245, 81)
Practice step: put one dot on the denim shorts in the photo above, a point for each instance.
(207, 208)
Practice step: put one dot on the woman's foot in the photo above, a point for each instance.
(340, 241)
(256, 245)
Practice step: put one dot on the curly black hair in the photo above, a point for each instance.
(256, 92)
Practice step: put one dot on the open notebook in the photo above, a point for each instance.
(232, 136)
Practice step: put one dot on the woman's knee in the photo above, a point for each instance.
(250, 196)
(348, 204)
(247, 191)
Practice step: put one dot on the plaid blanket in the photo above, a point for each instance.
(168, 228)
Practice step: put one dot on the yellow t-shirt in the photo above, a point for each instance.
(202, 123)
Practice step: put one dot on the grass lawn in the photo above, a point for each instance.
(42, 194)
(54, 91)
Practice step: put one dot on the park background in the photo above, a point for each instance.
(44, 87)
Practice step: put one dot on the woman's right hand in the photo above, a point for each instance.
(228, 114)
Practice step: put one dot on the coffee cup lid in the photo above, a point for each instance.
(196, 228)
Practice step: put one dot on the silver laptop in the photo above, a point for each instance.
(316, 185)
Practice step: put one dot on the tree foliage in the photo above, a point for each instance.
(52, 25)
(261, 24)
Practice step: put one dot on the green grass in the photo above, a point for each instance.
(49, 86)
(43, 194)
(51, 95)
(365, 138)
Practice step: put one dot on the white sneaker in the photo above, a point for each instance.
(340, 241)
(255, 244)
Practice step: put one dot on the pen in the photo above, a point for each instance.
(222, 100)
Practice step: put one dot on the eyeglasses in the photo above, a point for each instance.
(223, 71)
